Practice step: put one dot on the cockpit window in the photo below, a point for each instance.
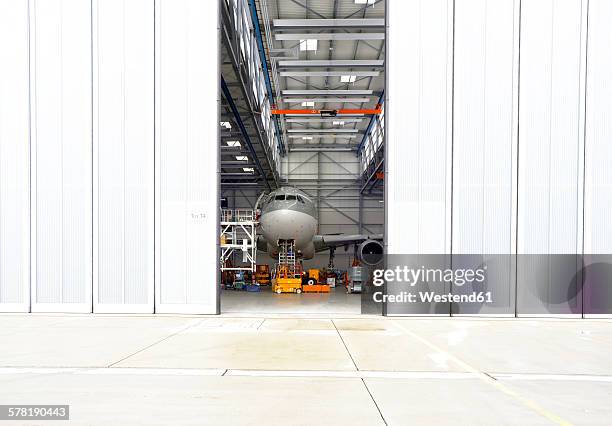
(291, 197)
(300, 199)
(280, 197)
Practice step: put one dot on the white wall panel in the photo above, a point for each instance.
(123, 140)
(186, 90)
(418, 98)
(551, 142)
(598, 169)
(483, 126)
(61, 114)
(598, 156)
(549, 133)
(484, 146)
(14, 158)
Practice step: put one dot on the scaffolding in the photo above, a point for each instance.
(286, 256)
(238, 235)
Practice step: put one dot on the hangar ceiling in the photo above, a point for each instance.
(325, 55)
(319, 54)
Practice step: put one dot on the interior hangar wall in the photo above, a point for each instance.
(108, 156)
(333, 181)
(495, 134)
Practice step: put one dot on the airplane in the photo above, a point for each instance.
(288, 213)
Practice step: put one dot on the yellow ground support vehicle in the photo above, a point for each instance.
(287, 282)
(314, 276)
(315, 282)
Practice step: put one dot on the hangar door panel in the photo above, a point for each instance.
(186, 160)
(550, 146)
(598, 156)
(123, 41)
(418, 104)
(484, 147)
(418, 98)
(60, 55)
(14, 159)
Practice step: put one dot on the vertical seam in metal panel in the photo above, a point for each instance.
(34, 177)
(584, 152)
(187, 192)
(418, 145)
(484, 131)
(29, 283)
(518, 124)
(123, 259)
(95, 178)
(550, 165)
(91, 60)
(155, 277)
(61, 165)
(0, 217)
(452, 149)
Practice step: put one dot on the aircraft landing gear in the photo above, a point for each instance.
(332, 254)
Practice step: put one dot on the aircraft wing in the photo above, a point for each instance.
(325, 242)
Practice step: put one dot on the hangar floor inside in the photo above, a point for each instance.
(337, 301)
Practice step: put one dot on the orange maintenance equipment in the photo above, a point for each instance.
(316, 288)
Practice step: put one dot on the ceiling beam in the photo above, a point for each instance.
(338, 115)
(333, 63)
(325, 135)
(326, 100)
(329, 73)
(322, 131)
(236, 166)
(322, 120)
(322, 148)
(327, 92)
(327, 23)
(329, 36)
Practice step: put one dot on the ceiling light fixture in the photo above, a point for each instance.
(308, 44)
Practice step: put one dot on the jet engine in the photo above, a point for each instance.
(371, 252)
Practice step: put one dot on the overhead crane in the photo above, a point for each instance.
(328, 112)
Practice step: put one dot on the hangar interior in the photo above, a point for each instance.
(298, 57)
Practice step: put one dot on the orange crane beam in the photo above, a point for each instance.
(327, 112)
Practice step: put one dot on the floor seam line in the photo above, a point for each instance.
(345, 346)
(155, 343)
(374, 401)
(261, 323)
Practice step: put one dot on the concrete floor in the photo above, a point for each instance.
(337, 301)
(300, 370)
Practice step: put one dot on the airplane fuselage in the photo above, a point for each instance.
(288, 214)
